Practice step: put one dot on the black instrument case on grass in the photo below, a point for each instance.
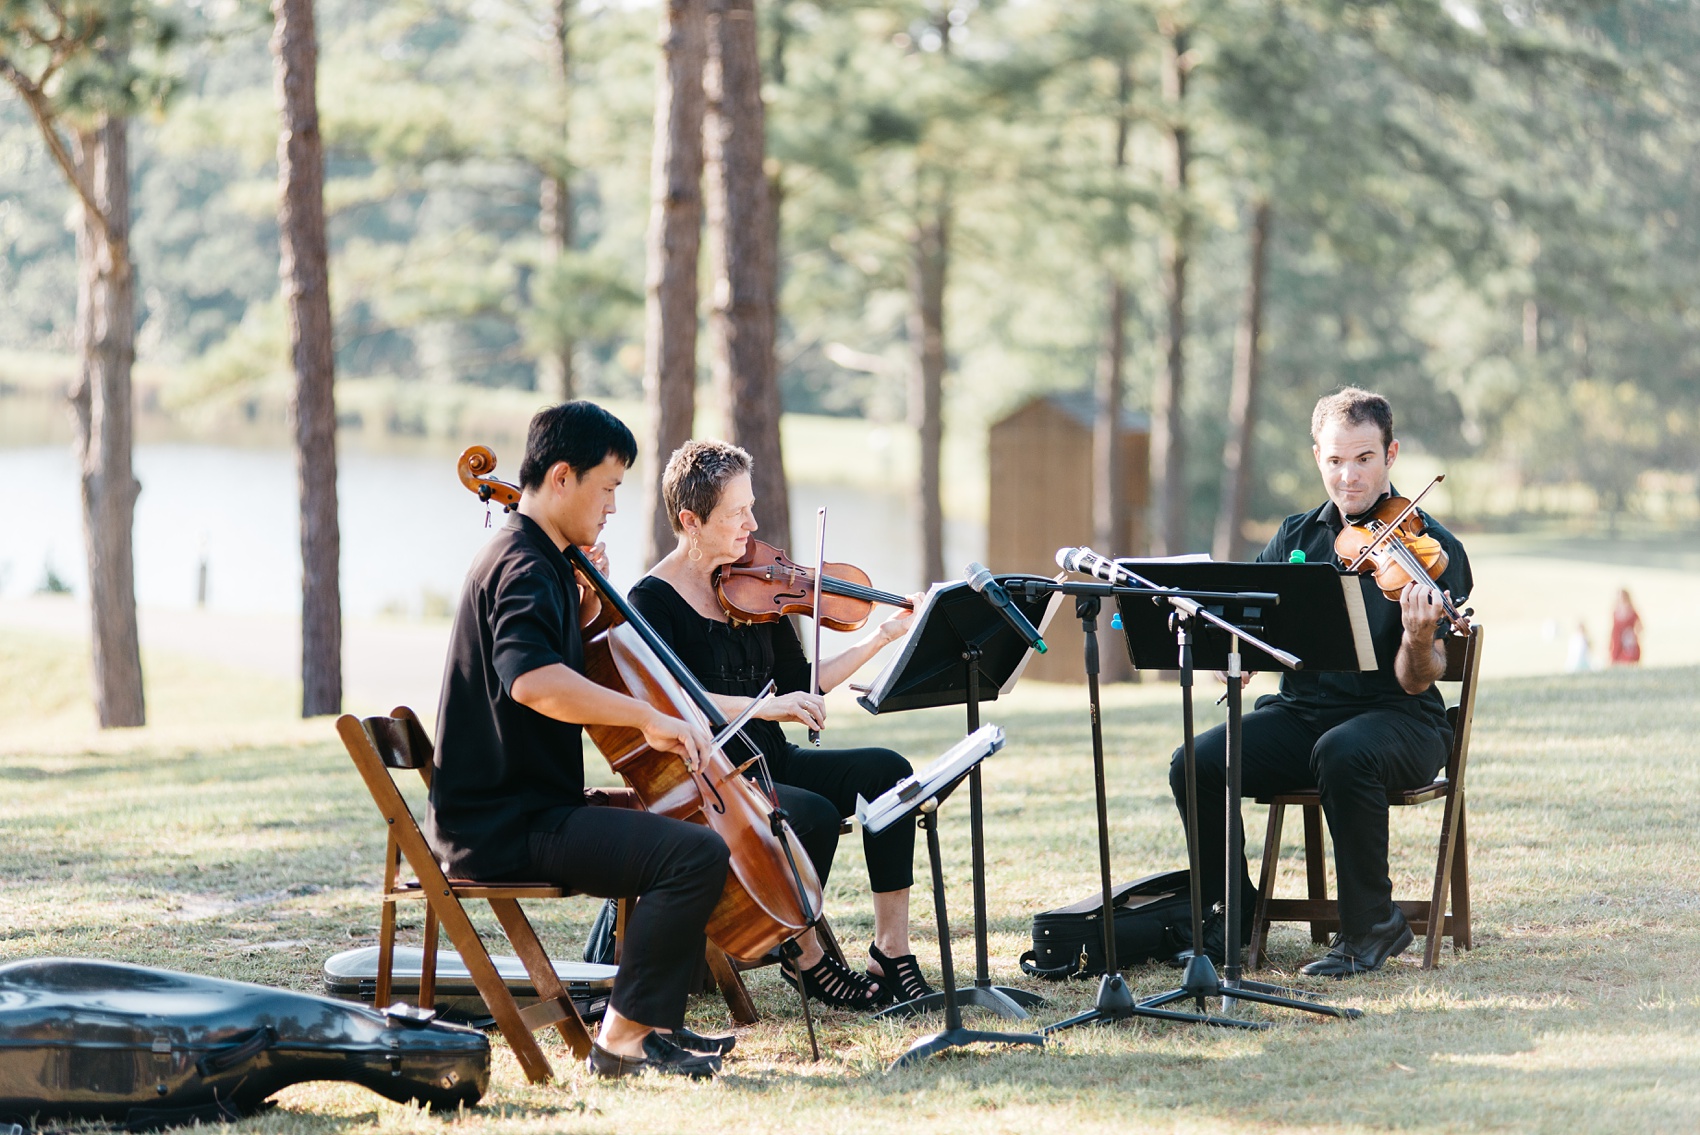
(153, 1048)
(1153, 920)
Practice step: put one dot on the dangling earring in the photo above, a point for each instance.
(695, 553)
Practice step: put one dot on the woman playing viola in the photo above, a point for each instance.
(707, 492)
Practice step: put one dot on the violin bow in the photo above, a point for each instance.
(820, 571)
(1387, 532)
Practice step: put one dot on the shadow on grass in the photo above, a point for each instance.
(27, 773)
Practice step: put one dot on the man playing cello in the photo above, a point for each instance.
(508, 798)
(1353, 736)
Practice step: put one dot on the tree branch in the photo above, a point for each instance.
(37, 102)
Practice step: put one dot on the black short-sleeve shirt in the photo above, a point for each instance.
(1313, 533)
(734, 661)
(504, 770)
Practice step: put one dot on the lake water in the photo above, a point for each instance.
(409, 529)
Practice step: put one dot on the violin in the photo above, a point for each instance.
(772, 893)
(764, 584)
(1392, 543)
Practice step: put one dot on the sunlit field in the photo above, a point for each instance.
(230, 840)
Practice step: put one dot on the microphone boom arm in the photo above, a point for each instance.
(1184, 602)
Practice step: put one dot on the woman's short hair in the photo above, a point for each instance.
(697, 474)
(1354, 407)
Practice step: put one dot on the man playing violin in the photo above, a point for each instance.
(1353, 736)
(508, 798)
(709, 499)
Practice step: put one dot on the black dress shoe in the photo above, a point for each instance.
(1364, 954)
(660, 1054)
(696, 1042)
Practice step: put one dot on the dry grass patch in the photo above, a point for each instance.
(241, 844)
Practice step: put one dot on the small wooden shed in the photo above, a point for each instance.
(1041, 499)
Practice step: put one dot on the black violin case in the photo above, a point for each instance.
(151, 1048)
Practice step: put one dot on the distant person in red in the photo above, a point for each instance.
(1625, 631)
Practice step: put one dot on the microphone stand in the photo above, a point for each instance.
(1199, 980)
(1114, 1000)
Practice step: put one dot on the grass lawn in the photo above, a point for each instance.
(229, 840)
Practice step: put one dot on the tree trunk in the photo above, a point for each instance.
(670, 275)
(1242, 399)
(555, 203)
(106, 335)
(926, 406)
(1110, 533)
(1168, 441)
(1109, 489)
(304, 271)
(745, 261)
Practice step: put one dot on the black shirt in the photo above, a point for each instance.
(504, 770)
(1313, 533)
(734, 661)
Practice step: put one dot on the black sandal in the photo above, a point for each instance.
(903, 974)
(828, 981)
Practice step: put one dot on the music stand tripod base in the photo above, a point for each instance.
(938, 1042)
(1115, 1001)
(974, 748)
(959, 643)
(1004, 1000)
(1201, 980)
(953, 1035)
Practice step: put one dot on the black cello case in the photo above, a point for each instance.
(152, 1048)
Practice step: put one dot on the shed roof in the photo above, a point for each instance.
(1081, 405)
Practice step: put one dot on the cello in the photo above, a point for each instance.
(772, 893)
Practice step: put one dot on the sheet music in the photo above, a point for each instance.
(900, 799)
(1361, 639)
(1027, 656)
(881, 686)
(1184, 558)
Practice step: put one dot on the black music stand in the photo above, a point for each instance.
(961, 652)
(920, 796)
(1317, 611)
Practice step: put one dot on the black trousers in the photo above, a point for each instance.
(677, 871)
(1353, 758)
(818, 788)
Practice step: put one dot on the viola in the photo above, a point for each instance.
(764, 584)
(772, 893)
(1391, 542)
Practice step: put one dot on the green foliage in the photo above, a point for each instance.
(1485, 211)
(90, 58)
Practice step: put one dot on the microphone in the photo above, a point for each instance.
(1087, 562)
(980, 579)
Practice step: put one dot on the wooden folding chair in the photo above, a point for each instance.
(379, 744)
(1452, 860)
